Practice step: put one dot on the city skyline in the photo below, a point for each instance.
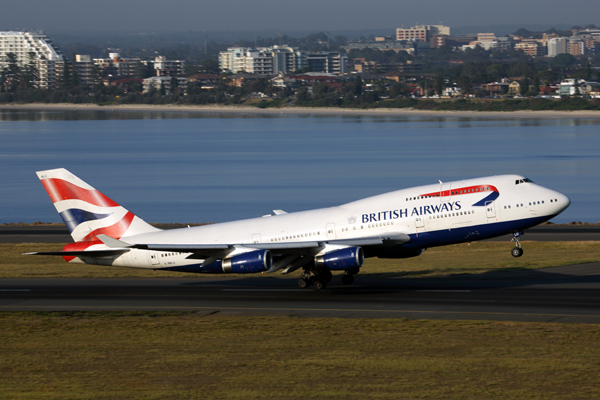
(190, 15)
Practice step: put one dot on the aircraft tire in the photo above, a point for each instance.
(302, 283)
(319, 285)
(516, 252)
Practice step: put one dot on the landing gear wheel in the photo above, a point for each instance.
(326, 276)
(347, 279)
(319, 285)
(516, 252)
(303, 283)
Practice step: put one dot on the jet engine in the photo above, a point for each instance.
(245, 263)
(342, 259)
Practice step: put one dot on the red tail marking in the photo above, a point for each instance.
(115, 231)
(59, 189)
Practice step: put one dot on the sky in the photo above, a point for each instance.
(286, 15)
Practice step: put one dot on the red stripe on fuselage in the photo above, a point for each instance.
(60, 190)
(464, 190)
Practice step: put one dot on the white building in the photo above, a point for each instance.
(164, 81)
(84, 66)
(263, 60)
(166, 67)
(117, 65)
(571, 87)
(327, 62)
(557, 46)
(32, 47)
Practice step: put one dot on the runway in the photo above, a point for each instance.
(567, 294)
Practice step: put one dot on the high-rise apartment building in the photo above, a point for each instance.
(36, 48)
(327, 62)
(264, 60)
(557, 46)
(424, 33)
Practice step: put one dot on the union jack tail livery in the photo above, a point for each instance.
(87, 212)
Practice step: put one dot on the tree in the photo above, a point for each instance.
(30, 75)
(398, 89)
(563, 60)
(464, 83)
(536, 84)
(358, 85)
(302, 94)
(439, 84)
(524, 86)
(174, 84)
(211, 66)
(12, 72)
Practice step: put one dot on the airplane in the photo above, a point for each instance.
(399, 224)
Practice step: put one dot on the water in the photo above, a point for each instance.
(185, 167)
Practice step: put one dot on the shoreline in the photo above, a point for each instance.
(219, 109)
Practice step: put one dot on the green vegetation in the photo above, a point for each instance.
(161, 355)
(479, 257)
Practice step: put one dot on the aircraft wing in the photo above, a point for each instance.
(215, 250)
(204, 251)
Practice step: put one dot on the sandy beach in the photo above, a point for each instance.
(304, 110)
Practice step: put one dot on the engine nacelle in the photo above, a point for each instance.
(245, 263)
(342, 259)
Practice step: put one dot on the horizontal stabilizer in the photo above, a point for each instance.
(112, 242)
(88, 253)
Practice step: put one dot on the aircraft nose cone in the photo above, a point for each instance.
(563, 201)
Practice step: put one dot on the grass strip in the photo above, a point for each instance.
(162, 355)
(477, 258)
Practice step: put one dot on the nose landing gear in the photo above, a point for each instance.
(516, 251)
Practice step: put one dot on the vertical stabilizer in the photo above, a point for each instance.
(86, 211)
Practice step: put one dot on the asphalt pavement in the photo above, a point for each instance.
(562, 294)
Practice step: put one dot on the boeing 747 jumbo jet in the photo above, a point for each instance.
(398, 224)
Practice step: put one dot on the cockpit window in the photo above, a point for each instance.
(526, 180)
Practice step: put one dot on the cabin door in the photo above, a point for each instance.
(490, 209)
(331, 230)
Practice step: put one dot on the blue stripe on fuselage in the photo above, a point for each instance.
(491, 197)
(470, 233)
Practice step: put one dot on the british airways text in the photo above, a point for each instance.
(422, 210)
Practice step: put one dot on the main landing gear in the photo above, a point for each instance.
(348, 277)
(516, 251)
(319, 278)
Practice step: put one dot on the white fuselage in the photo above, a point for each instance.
(431, 215)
